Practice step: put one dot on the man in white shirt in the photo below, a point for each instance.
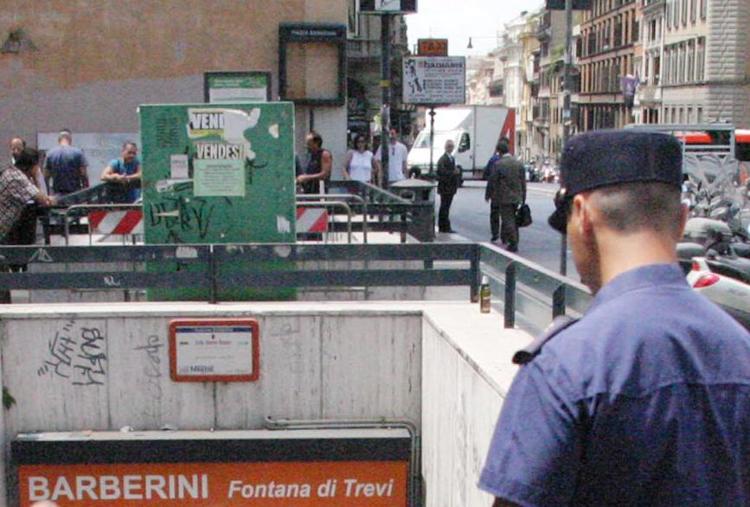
(396, 160)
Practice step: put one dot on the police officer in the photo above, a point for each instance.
(646, 399)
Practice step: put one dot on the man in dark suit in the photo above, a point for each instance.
(506, 189)
(447, 177)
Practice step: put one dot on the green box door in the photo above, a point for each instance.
(218, 173)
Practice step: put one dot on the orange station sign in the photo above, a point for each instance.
(262, 468)
(275, 484)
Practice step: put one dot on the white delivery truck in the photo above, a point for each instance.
(475, 130)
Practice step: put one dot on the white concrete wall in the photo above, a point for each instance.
(314, 365)
(466, 371)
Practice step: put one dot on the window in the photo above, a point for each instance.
(668, 14)
(684, 12)
(636, 28)
(699, 115)
(657, 69)
(704, 4)
(700, 59)
(693, 8)
(676, 14)
(691, 61)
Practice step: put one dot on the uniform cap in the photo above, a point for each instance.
(603, 158)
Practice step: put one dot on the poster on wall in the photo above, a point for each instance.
(233, 87)
(434, 80)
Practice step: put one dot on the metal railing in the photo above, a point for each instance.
(336, 200)
(334, 204)
(528, 295)
(530, 292)
(79, 210)
(393, 212)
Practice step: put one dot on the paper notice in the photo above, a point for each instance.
(219, 178)
(178, 165)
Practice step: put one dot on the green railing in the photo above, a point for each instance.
(528, 295)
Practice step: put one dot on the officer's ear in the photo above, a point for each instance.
(581, 214)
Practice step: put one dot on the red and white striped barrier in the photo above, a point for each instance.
(312, 220)
(116, 222)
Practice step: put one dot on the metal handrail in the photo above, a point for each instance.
(333, 204)
(104, 207)
(523, 279)
(351, 197)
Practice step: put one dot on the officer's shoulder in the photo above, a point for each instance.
(533, 349)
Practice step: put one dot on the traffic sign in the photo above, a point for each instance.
(432, 47)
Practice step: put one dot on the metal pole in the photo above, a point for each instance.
(432, 136)
(385, 83)
(567, 84)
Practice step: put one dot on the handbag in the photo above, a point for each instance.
(523, 215)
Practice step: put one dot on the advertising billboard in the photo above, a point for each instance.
(434, 80)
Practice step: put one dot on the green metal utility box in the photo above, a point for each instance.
(218, 173)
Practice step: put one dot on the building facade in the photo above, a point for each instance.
(608, 33)
(89, 69)
(695, 66)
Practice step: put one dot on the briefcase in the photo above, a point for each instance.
(523, 216)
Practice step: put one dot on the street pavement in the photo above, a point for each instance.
(539, 243)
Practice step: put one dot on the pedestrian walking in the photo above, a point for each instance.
(646, 399)
(360, 163)
(506, 191)
(448, 179)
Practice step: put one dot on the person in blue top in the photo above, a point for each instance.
(66, 166)
(646, 399)
(124, 175)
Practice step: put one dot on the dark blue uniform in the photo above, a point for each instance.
(645, 401)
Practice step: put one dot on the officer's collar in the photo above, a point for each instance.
(653, 275)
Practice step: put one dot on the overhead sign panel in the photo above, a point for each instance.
(434, 80)
(432, 47)
(387, 6)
